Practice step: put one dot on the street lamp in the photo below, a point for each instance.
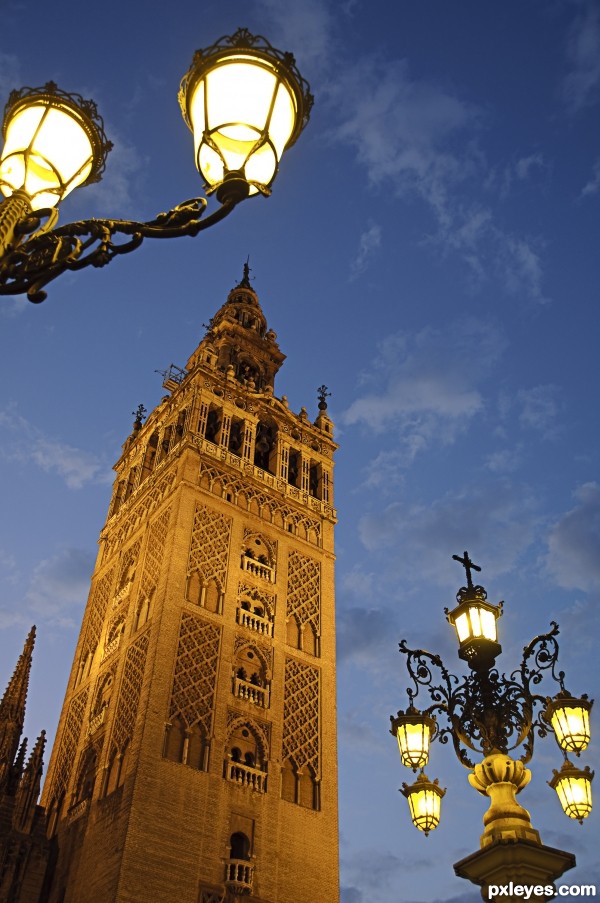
(492, 714)
(245, 102)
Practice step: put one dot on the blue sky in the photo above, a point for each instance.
(430, 253)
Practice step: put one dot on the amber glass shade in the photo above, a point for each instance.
(414, 731)
(245, 103)
(425, 801)
(570, 720)
(574, 789)
(475, 619)
(53, 142)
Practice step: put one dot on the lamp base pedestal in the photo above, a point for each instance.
(513, 866)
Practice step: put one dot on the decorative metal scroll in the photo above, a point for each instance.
(35, 262)
(487, 711)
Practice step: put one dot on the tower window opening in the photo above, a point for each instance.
(213, 425)
(294, 468)
(265, 446)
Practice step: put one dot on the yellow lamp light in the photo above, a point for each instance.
(570, 720)
(574, 790)
(425, 801)
(474, 620)
(414, 731)
(245, 103)
(54, 142)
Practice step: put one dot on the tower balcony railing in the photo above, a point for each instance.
(122, 594)
(263, 476)
(254, 622)
(78, 809)
(258, 568)
(246, 775)
(244, 689)
(97, 720)
(112, 646)
(239, 874)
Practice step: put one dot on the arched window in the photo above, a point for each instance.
(149, 456)
(239, 846)
(213, 424)
(86, 779)
(265, 446)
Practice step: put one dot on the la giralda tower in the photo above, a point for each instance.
(195, 758)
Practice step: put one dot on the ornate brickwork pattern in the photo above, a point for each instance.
(304, 590)
(137, 516)
(128, 562)
(129, 697)
(301, 728)
(210, 544)
(154, 552)
(194, 682)
(243, 493)
(211, 896)
(68, 745)
(97, 608)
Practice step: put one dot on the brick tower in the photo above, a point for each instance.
(195, 758)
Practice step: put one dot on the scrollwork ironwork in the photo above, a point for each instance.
(32, 264)
(487, 711)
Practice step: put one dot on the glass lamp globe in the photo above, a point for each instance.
(53, 143)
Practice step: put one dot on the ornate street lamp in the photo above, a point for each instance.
(414, 732)
(424, 800)
(245, 102)
(574, 789)
(492, 714)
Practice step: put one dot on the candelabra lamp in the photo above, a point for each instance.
(492, 714)
(245, 102)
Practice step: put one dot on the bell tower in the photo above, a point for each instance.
(195, 758)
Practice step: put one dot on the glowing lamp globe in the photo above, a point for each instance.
(574, 790)
(570, 720)
(53, 143)
(245, 103)
(424, 801)
(474, 620)
(414, 731)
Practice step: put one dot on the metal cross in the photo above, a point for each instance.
(468, 566)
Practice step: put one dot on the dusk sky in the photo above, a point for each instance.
(430, 253)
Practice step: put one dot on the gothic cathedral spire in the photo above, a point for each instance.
(195, 757)
(12, 709)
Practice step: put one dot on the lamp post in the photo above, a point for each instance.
(492, 714)
(245, 102)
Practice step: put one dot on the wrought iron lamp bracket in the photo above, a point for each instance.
(33, 263)
(486, 710)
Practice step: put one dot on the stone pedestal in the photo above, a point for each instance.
(512, 855)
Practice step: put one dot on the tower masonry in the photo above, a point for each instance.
(195, 758)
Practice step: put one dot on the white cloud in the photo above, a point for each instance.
(308, 27)
(59, 583)
(592, 186)
(496, 521)
(540, 408)
(426, 387)
(581, 86)
(116, 192)
(574, 542)
(526, 165)
(25, 442)
(419, 140)
(504, 461)
(368, 243)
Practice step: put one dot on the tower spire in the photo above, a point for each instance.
(12, 708)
